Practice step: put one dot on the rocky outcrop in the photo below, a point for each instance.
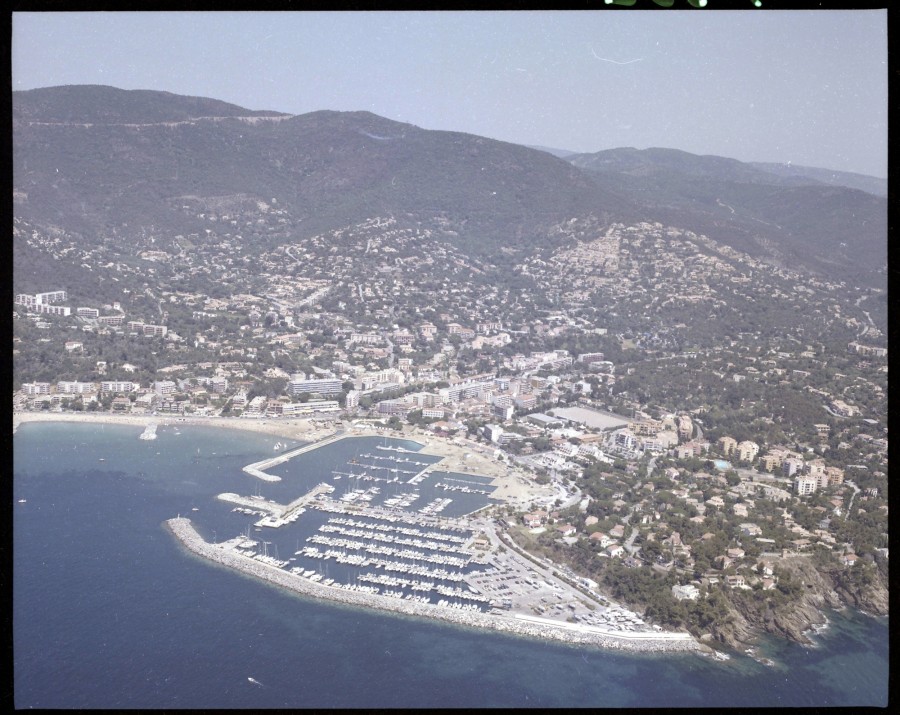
(794, 616)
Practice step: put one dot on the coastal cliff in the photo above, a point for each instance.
(799, 604)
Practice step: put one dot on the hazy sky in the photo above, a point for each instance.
(809, 87)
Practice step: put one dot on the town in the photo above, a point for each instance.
(704, 425)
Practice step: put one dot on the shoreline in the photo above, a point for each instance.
(511, 486)
(292, 428)
(182, 529)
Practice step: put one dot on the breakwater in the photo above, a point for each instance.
(223, 554)
(149, 432)
(256, 469)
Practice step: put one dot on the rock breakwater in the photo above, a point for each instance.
(527, 626)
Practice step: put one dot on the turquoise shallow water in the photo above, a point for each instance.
(109, 612)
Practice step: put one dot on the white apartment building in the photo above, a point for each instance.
(164, 387)
(115, 386)
(805, 485)
(326, 386)
(747, 450)
(67, 387)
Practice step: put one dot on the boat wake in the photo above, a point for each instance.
(255, 682)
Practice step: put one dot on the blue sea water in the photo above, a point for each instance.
(110, 612)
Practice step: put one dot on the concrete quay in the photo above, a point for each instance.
(531, 627)
(277, 514)
(271, 507)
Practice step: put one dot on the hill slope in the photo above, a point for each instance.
(788, 219)
(326, 169)
(869, 184)
(99, 104)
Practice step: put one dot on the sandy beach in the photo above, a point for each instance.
(299, 429)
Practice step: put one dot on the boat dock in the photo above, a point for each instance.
(301, 502)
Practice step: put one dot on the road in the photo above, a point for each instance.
(629, 542)
(387, 336)
(856, 491)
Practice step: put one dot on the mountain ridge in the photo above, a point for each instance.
(329, 168)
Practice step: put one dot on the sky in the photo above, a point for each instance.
(806, 87)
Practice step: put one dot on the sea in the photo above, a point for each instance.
(110, 611)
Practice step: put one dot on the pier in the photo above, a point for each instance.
(275, 514)
(269, 507)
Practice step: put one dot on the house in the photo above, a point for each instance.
(842, 409)
(566, 529)
(735, 581)
(603, 539)
(723, 562)
(674, 540)
(615, 550)
(617, 532)
(849, 559)
(689, 592)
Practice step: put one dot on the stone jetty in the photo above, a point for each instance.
(520, 625)
(256, 469)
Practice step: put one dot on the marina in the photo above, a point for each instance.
(339, 647)
(370, 596)
(364, 530)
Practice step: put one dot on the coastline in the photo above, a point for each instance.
(299, 429)
(512, 486)
(182, 529)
